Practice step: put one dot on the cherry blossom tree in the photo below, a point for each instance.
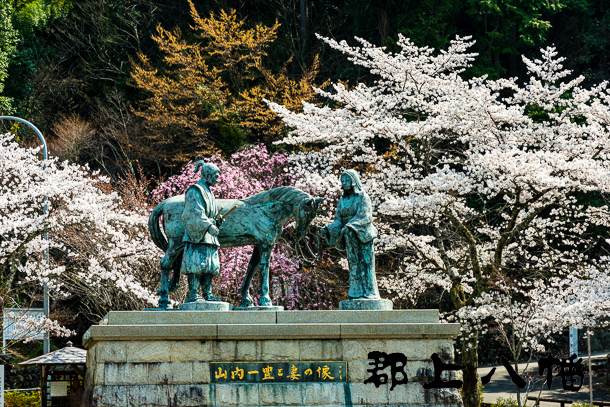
(525, 321)
(581, 302)
(475, 183)
(98, 251)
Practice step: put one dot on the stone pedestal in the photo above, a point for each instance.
(260, 308)
(205, 306)
(158, 358)
(363, 304)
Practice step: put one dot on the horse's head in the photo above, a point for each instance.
(304, 214)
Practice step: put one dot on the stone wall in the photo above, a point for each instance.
(129, 365)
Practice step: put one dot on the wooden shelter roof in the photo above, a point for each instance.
(64, 356)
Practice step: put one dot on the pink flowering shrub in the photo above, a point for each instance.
(245, 173)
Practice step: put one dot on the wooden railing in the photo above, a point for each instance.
(563, 402)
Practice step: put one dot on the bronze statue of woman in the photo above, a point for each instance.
(353, 232)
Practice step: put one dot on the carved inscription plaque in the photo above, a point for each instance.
(278, 372)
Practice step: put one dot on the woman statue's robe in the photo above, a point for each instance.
(354, 212)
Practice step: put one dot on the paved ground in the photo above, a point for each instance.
(501, 385)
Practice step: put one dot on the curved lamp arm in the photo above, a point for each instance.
(46, 345)
(40, 136)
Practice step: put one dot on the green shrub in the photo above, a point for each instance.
(22, 399)
(502, 402)
(480, 387)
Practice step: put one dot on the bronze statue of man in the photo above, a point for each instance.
(200, 260)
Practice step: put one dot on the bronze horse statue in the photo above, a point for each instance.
(257, 220)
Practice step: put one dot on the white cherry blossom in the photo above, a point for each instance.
(67, 202)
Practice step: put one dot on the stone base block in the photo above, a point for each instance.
(160, 359)
(205, 306)
(260, 308)
(363, 304)
(288, 394)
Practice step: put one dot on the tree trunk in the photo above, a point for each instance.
(512, 58)
(470, 361)
(496, 53)
(384, 22)
(303, 7)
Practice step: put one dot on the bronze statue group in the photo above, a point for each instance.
(196, 225)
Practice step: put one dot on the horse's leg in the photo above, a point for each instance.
(246, 298)
(265, 300)
(174, 281)
(163, 291)
(167, 263)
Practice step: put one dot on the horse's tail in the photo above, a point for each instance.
(153, 227)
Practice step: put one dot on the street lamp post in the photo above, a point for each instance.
(46, 343)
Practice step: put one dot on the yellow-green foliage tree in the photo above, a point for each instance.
(206, 94)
